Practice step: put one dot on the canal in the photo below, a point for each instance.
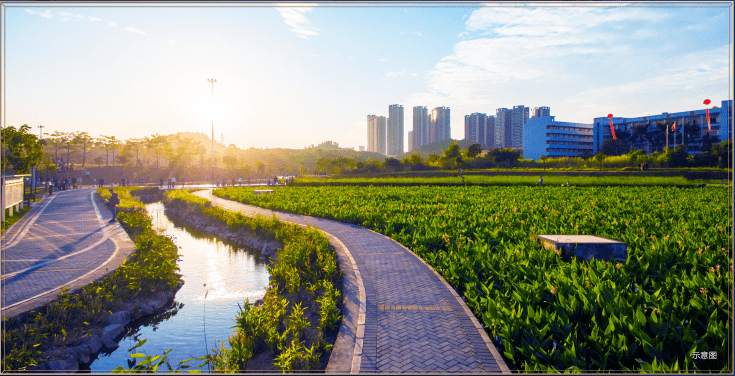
(217, 277)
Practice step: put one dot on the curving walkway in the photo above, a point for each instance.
(65, 240)
(400, 315)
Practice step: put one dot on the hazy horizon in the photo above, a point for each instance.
(292, 75)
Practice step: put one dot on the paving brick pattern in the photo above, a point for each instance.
(414, 323)
(60, 240)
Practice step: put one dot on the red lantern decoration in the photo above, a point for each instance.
(612, 130)
(709, 126)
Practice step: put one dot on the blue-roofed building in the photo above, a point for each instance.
(544, 136)
(648, 133)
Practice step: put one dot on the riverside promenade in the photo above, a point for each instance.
(64, 240)
(400, 316)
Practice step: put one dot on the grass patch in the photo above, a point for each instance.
(9, 221)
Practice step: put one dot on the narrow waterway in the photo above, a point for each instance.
(217, 277)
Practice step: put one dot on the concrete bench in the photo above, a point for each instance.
(263, 191)
(586, 247)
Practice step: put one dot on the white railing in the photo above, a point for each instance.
(12, 194)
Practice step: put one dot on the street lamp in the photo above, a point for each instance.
(212, 80)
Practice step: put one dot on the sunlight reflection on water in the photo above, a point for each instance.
(225, 275)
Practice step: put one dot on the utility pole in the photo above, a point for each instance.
(212, 80)
(40, 132)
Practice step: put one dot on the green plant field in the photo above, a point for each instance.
(669, 299)
(549, 180)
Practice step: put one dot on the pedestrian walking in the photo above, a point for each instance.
(540, 181)
(113, 202)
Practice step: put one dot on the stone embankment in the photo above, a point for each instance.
(105, 338)
(268, 248)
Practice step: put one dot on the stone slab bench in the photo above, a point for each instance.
(586, 247)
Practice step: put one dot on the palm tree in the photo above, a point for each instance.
(113, 141)
(68, 139)
(82, 138)
(155, 143)
(56, 141)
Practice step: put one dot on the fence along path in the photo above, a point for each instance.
(409, 320)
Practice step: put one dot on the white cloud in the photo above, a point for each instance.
(65, 16)
(80, 17)
(504, 46)
(93, 19)
(686, 84)
(698, 27)
(383, 60)
(350, 57)
(112, 23)
(46, 14)
(170, 42)
(134, 30)
(294, 16)
(403, 74)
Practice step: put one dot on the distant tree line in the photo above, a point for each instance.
(612, 155)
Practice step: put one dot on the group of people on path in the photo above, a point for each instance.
(63, 184)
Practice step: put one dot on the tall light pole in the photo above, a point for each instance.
(212, 80)
(40, 135)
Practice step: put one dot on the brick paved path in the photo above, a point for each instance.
(411, 320)
(65, 240)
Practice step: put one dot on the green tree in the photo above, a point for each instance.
(474, 150)
(393, 164)
(21, 148)
(615, 147)
(599, 158)
(678, 157)
(56, 140)
(83, 139)
(452, 151)
(156, 144)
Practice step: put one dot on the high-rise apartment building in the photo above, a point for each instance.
(519, 117)
(502, 128)
(395, 129)
(439, 125)
(376, 134)
(420, 126)
(475, 128)
(540, 112)
(490, 132)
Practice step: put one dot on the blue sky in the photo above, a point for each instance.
(295, 74)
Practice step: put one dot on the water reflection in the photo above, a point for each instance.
(224, 275)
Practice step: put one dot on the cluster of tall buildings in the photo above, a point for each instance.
(429, 128)
(385, 135)
(504, 130)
